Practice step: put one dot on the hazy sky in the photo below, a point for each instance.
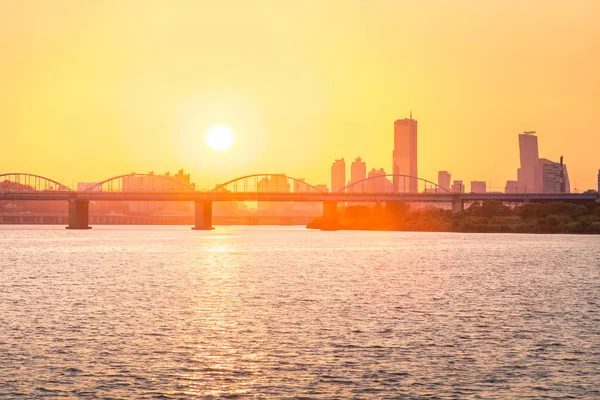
(91, 89)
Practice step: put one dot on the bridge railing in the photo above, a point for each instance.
(19, 182)
(141, 183)
(267, 183)
(393, 183)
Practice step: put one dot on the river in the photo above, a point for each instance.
(274, 312)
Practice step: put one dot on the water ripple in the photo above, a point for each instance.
(164, 312)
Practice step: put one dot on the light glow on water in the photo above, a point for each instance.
(285, 312)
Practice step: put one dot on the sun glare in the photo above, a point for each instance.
(219, 137)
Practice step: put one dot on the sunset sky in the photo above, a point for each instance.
(91, 89)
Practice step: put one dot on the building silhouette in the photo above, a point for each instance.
(458, 187)
(444, 179)
(274, 183)
(529, 158)
(512, 187)
(539, 175)
(599, 181)
(358, 172)
(338, 175)
(380, 183)
(322, 187)
(478, 187)
(152, 183)
(555, 178)
(404, 156)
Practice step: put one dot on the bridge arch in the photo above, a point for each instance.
(380, 183)
(267, 183)
(24, 182)
(140, 183)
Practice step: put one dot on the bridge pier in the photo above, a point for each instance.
(329, 221)
(458, 205)
(203, 215)
(78, 214)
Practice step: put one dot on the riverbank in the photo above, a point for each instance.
(480, 217)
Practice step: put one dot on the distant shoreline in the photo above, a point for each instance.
(482, 217)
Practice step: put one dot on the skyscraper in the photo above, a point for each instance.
(358, 172)
(405, 154)
(380, 183)
(527, 175)
(444, 179)
(599, 181)
(338, 175)
(555, 178)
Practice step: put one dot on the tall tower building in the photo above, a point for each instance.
(405, 154)
(358, 172)
(527, 175)
(338, 175)
(444, 179)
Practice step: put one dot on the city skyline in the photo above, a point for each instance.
(299, 199)
(136, 94)
(534, 175)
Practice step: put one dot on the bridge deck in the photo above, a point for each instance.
(298, 197)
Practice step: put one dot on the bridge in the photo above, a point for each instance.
(255, 188)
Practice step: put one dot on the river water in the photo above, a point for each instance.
(167, 312)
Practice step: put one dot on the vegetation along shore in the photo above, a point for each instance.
(487, 216)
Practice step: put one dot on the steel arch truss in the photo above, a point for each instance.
(140, 183)
(20, 182)
(269, 183)
(382, 184)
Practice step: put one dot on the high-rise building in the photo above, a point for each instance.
(380, 183)
(555, 178)
(458, 187)
(539, 177)
(338, 175)
(478, 187)
(599, 181)
(279, 183)
(444, 179)
(274, 183)
(156, 182)
(529, 156)
(512, 187)
(358, 172)
(404, 156)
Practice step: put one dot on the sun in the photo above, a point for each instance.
(219, 137)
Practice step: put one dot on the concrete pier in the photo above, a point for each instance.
(78, 214)
(329, 222)
(203, 216)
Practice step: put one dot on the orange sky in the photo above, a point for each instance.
(92, 89)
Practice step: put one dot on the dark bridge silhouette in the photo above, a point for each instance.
(137, 182)
(24, 182)
(257, 187)
(400, 183)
